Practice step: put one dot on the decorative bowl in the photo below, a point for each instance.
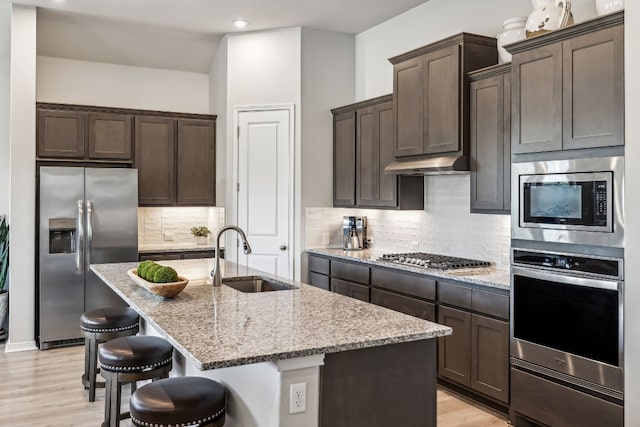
(165, 290)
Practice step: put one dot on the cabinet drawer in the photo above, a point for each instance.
(351, 272)
(160, 257)
(403, 304)
(421, 287)
(459, 296)
(197, 255)
(319, 280)
(319, 265)
(490, 303)
(557, 405)
(349, 289)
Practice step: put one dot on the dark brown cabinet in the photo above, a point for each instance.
(196, 168)
(490, 125)
(568, 88)
(319, 269)
(84, 134)
(178, 254)
(156, 160)
(430, 88)
(175, 158)
(476, 355)
(363, 146)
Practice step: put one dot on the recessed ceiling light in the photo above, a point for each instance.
(240, 23)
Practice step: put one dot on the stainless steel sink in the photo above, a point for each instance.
(253, 285)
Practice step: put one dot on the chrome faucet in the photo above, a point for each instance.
(216, 274)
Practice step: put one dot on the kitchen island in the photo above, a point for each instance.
(362, 364)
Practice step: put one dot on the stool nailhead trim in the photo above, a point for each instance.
(123, 328)
(189, 423)
(136, 368)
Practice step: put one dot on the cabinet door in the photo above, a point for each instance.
(196, 163)
(319, 280)
(156, 160)
(109, 136)
(442, 101)
(536, 94)
(366, 157)
(593, 87)
(61, 134)
(387, 184)
(344, 159)
(487, 144)
(454, 351)
(506, 198)
(350, 289)
(490, 357)
(408, 90)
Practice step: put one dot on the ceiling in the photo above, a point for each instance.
(183, 34)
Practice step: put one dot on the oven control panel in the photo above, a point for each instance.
(610, 267)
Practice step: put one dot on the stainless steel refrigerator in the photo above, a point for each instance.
(86, 216)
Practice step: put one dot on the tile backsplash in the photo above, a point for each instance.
(173, 225)
(445, 226)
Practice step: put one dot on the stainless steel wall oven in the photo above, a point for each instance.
(567, 318)
(569, 201)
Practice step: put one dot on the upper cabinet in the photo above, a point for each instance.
(80, 133)
(568, 88)
(490, 125)
(173, 152)
(175, 158)
(431, 93)
(363, 146)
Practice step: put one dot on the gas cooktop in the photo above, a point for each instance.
(441, 262)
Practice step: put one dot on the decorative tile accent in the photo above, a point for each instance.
(445, 226)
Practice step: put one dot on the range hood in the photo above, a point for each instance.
(443, 165)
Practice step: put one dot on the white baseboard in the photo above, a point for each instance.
(12, 347)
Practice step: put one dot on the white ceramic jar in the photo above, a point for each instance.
(609, 6)
(513, 30)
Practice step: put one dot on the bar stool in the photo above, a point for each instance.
(179, 401)
(99, 326)
(127, 360)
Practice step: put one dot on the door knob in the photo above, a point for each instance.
(283, 247)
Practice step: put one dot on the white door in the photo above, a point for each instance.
(265, 188)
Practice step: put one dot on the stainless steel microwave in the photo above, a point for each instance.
(569, 201)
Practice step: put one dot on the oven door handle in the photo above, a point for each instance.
(612, 285)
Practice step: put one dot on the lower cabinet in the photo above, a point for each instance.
(350, 289)
(168, 256)
(404, 304)
(476, 355)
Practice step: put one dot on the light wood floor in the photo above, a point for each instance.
(42, 388)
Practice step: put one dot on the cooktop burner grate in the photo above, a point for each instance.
(441, 262)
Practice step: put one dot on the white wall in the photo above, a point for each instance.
(429, 22)
(218, 106)
(5, 61)
(23, 176)
(69, 81)
(328, 81)
(632, 213)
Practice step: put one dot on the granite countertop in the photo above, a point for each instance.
(490, 276)
(175, 247)
(222, 327)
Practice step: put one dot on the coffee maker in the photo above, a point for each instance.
(354, 233)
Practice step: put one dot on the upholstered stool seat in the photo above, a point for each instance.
(102, 325)
(179, 401)
(127, 360)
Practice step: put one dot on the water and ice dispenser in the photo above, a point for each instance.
(62, 235)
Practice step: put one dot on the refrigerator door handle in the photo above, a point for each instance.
(89, 231)
(80, 237)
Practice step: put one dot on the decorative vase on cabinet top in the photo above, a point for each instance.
(513, 32)
(605, 7)
(548, 15)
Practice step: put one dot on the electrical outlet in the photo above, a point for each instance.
(297, 398)
(415, 246)
(326, 238)
(167, 236)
